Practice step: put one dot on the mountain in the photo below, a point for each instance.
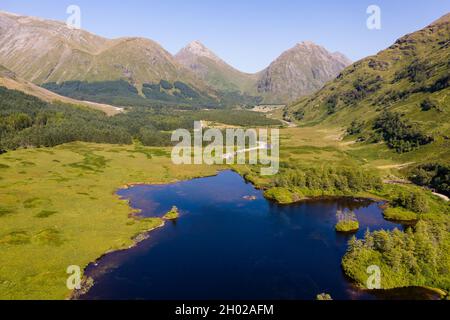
(138, 71)
(216, 72)
(48, 51)
(9, 80)
(402, 93)
(43, 51)
(300, 71)
(297, 72)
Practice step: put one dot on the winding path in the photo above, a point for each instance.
(261, 146)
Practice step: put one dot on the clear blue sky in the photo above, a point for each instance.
(248, 34)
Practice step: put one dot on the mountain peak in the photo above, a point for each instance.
(307, 43)
(196, 44)
(200, 50)
(300, 71)
(314, 48)
(306, 47)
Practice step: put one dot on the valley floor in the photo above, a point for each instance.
(59, 207)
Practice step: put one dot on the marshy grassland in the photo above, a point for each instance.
(59, 207)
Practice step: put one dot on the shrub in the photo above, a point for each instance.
(280, 195)
(331, 104)
(324, 297)
(332, 179)
(299, 114)
(185, 90)
(355, 127)
(399, 214)
(172, 214)
(166, 85)
(427, 105)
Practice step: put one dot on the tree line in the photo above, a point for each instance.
(329, 178)
(26, 121)
(420, 256)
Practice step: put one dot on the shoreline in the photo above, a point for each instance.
(89, 282)
(441, 294)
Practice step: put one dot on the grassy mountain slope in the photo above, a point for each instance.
(9, 80)
(411, 78)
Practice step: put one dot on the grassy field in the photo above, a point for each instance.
(329, 145)
(316, 147)
(58, 208)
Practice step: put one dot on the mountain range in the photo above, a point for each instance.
(133, 71)
(44, 51)
(299, 71)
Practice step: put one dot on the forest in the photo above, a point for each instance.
(26, 121)
(432, 175)
(420, 256)
(399, 133)
(329, 178)
(164, 94)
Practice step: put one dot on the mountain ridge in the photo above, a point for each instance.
(47, 52)
(313, 73)
(41, 51)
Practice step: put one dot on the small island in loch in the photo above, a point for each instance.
(324, 297)
(347, 222)
(172, 214)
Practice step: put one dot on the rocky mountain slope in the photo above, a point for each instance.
(300, 71)
(216, 72)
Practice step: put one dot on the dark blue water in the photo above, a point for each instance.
(226, 247)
